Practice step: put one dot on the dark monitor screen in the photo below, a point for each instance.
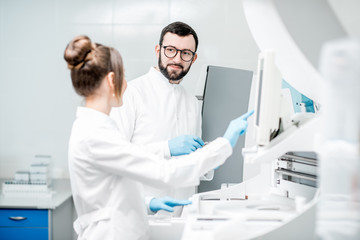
(226, 97)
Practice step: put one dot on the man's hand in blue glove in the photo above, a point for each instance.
(166, 203)
(184, 144)
(237, 127)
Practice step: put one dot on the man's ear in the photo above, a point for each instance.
(194, 59)
(157, 50)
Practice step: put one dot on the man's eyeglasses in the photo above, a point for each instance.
(186, 55)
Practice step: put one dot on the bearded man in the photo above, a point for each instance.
(160, 114)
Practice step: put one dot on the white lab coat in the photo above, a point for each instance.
(154, 112)
(106, 175)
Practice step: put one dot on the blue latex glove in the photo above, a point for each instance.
(237, 127)
(166, 203)
(184, 144)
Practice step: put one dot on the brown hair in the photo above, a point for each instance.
(90, 62)
(180, 29)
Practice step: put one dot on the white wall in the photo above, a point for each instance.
(347, 12)
(37, 102)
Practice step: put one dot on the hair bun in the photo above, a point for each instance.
(78, 51)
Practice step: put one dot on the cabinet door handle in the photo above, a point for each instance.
(17, 218)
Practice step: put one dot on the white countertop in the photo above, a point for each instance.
(62, 190)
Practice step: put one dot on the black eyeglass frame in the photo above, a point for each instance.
(181, 52)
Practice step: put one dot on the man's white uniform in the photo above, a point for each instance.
(154, 112)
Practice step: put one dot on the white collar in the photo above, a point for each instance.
(93, 114)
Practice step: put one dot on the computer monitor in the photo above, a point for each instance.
(225, 97)
(267, 102)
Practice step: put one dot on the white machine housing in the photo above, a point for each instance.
(267, 100)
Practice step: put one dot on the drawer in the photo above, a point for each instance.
(24, 233)
(23, 218)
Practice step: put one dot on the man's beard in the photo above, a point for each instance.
(172, 76)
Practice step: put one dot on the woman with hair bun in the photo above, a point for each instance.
(106, 172)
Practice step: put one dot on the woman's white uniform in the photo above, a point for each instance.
(107, 173)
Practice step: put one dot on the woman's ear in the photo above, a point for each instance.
(110, 77)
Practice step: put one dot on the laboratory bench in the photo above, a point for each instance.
(38, 218)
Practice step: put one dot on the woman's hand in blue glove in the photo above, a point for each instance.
(237, 127)
(184, 144)
(166, 203)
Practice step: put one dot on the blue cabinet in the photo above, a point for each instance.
(38, 218)
(24, 224)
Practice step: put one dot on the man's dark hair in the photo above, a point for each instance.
(181, 29)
